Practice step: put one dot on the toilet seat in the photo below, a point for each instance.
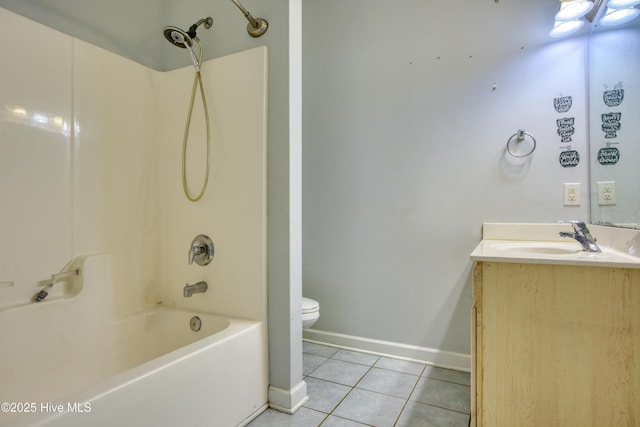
(309, 305)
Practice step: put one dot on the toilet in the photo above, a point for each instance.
(310, 312)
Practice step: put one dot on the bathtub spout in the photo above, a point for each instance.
(196, 288)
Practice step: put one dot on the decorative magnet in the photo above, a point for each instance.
(608, 156)
(562, 104)
(569, 159)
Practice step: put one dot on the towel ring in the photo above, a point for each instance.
(519, 137)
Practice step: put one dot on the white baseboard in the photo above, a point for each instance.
(288, 401)
(431, 356)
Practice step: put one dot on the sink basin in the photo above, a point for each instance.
(550, 252)
(541, 248)
(541, 244)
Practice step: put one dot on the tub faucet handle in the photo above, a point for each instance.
(201, 250)
(195, 251)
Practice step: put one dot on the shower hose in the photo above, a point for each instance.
(197, 81)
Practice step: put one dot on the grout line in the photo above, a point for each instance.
(445, 381)
(409, 397)
(362, 377)
(441, 407)
(401, 372)
(324, 413)
(370, 367)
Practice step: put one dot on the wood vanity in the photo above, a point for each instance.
(555, 343)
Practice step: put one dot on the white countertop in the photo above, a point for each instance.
(541, 244)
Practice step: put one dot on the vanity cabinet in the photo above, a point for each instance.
(555, 345)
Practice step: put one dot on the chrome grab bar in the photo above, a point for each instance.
(65, 274)
(56, 277)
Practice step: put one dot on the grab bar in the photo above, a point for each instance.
(65, 274)
(56, 277)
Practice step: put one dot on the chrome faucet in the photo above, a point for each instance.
(195, 251)
(201, 250)
(582, 234)
(196, 288)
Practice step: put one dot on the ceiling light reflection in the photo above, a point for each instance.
(615, 17)
(622, 4)
(22, 116)
(562, 29)
(574, 9)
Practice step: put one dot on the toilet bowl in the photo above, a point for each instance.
(310, 312)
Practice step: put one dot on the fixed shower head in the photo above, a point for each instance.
(256, 26)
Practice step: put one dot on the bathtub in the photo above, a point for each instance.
(63, 366)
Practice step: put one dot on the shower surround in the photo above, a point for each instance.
(90, 172)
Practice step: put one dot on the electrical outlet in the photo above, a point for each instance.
(572, 194)
(607, 193)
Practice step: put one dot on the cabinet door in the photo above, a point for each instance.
(476, 346)
(560, 346)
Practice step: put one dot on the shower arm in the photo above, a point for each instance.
(256, 27)
(208, 22)
(246, 14)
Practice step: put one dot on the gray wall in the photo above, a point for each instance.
(403, 154)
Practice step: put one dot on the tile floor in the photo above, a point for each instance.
(353, 389)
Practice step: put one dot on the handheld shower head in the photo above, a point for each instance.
(177, 37)
(181, 38)
(184, 39)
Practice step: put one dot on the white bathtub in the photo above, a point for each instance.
(149, 369)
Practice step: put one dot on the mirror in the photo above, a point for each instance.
(614, 122)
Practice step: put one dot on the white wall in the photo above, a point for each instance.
(78, 151)
(403, 155)
(232, 211)
(36, 213)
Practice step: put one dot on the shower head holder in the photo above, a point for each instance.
(208, 22)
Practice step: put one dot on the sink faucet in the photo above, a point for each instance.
(582, 234)
(196, 288)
